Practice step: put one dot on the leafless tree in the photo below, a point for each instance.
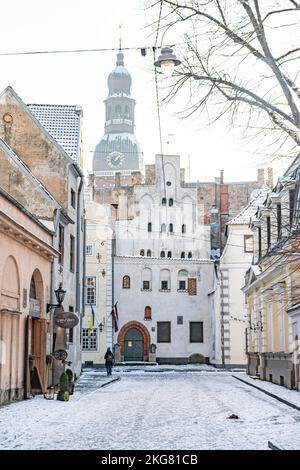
(238, 59)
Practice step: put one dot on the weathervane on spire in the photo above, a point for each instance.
(120, 38)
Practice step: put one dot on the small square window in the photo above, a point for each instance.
(89, 250)
(182, 285)
(180, 320)
(146, 285)
(164, 285)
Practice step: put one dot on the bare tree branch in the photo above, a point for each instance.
(229, 58)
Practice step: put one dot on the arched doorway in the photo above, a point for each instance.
(134, 341)
(133, 345)
(37, 329)
(10, 332)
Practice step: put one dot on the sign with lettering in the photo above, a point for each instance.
(66, 320)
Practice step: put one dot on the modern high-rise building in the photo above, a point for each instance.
(118, 150)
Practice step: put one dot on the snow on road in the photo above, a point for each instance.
(156, 411)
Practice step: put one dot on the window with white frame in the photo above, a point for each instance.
(248, 243)
(89, 250)
(90, 297)
(89, 339)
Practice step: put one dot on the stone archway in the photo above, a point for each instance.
(144, 332)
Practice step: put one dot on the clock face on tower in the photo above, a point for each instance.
(115, 159)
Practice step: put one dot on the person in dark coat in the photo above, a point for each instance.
(109, 360)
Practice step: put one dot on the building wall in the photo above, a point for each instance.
(25, 249)
(98, 265)
(52, 168)
(26, 139)
(71, 279)
(166, 306)
(139, 247)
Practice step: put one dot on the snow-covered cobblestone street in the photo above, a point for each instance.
(151, 410)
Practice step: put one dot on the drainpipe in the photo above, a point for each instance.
(78, 253)
(83, 277)
(78, 247)
(52, 297)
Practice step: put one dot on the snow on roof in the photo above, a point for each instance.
(249, 211)
(63, 124)
(256, 269)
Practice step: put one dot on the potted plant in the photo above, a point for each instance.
(71, 381)
(63, 394)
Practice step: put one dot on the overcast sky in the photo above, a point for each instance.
(81, 79)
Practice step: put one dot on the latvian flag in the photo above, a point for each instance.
(114, 314)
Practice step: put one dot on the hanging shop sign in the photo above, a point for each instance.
(60, 355)
(66, 320)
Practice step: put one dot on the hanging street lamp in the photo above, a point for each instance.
(167, 61)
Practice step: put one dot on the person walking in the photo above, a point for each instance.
(109, 359)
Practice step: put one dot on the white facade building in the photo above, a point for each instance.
(163, 274)
(230, 307)
(97, 322)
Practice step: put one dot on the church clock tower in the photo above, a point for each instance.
(118, 150)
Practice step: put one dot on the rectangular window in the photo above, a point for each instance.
(248, 243)
(61, 243)
(89, 339)
(90, 290)
(278, 221)
(259, 243)
(182, 285)
(291, 203)
(164, 332)
(196, 332)
(71, 335)
(72, 253)
(73, 198)
(146, 285)
(192, 286)
(89, 250)
(268, 233)
(71, 330)
(164, 285)
(180, 320)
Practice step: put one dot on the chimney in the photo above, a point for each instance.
(150, 174)
(182, 175)
(261, 177)
(270, 177)
(221, 176)
(91, 180)
(117, 179)
(136, 177)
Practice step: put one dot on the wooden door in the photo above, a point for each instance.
(134, 345)
(38, 348)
